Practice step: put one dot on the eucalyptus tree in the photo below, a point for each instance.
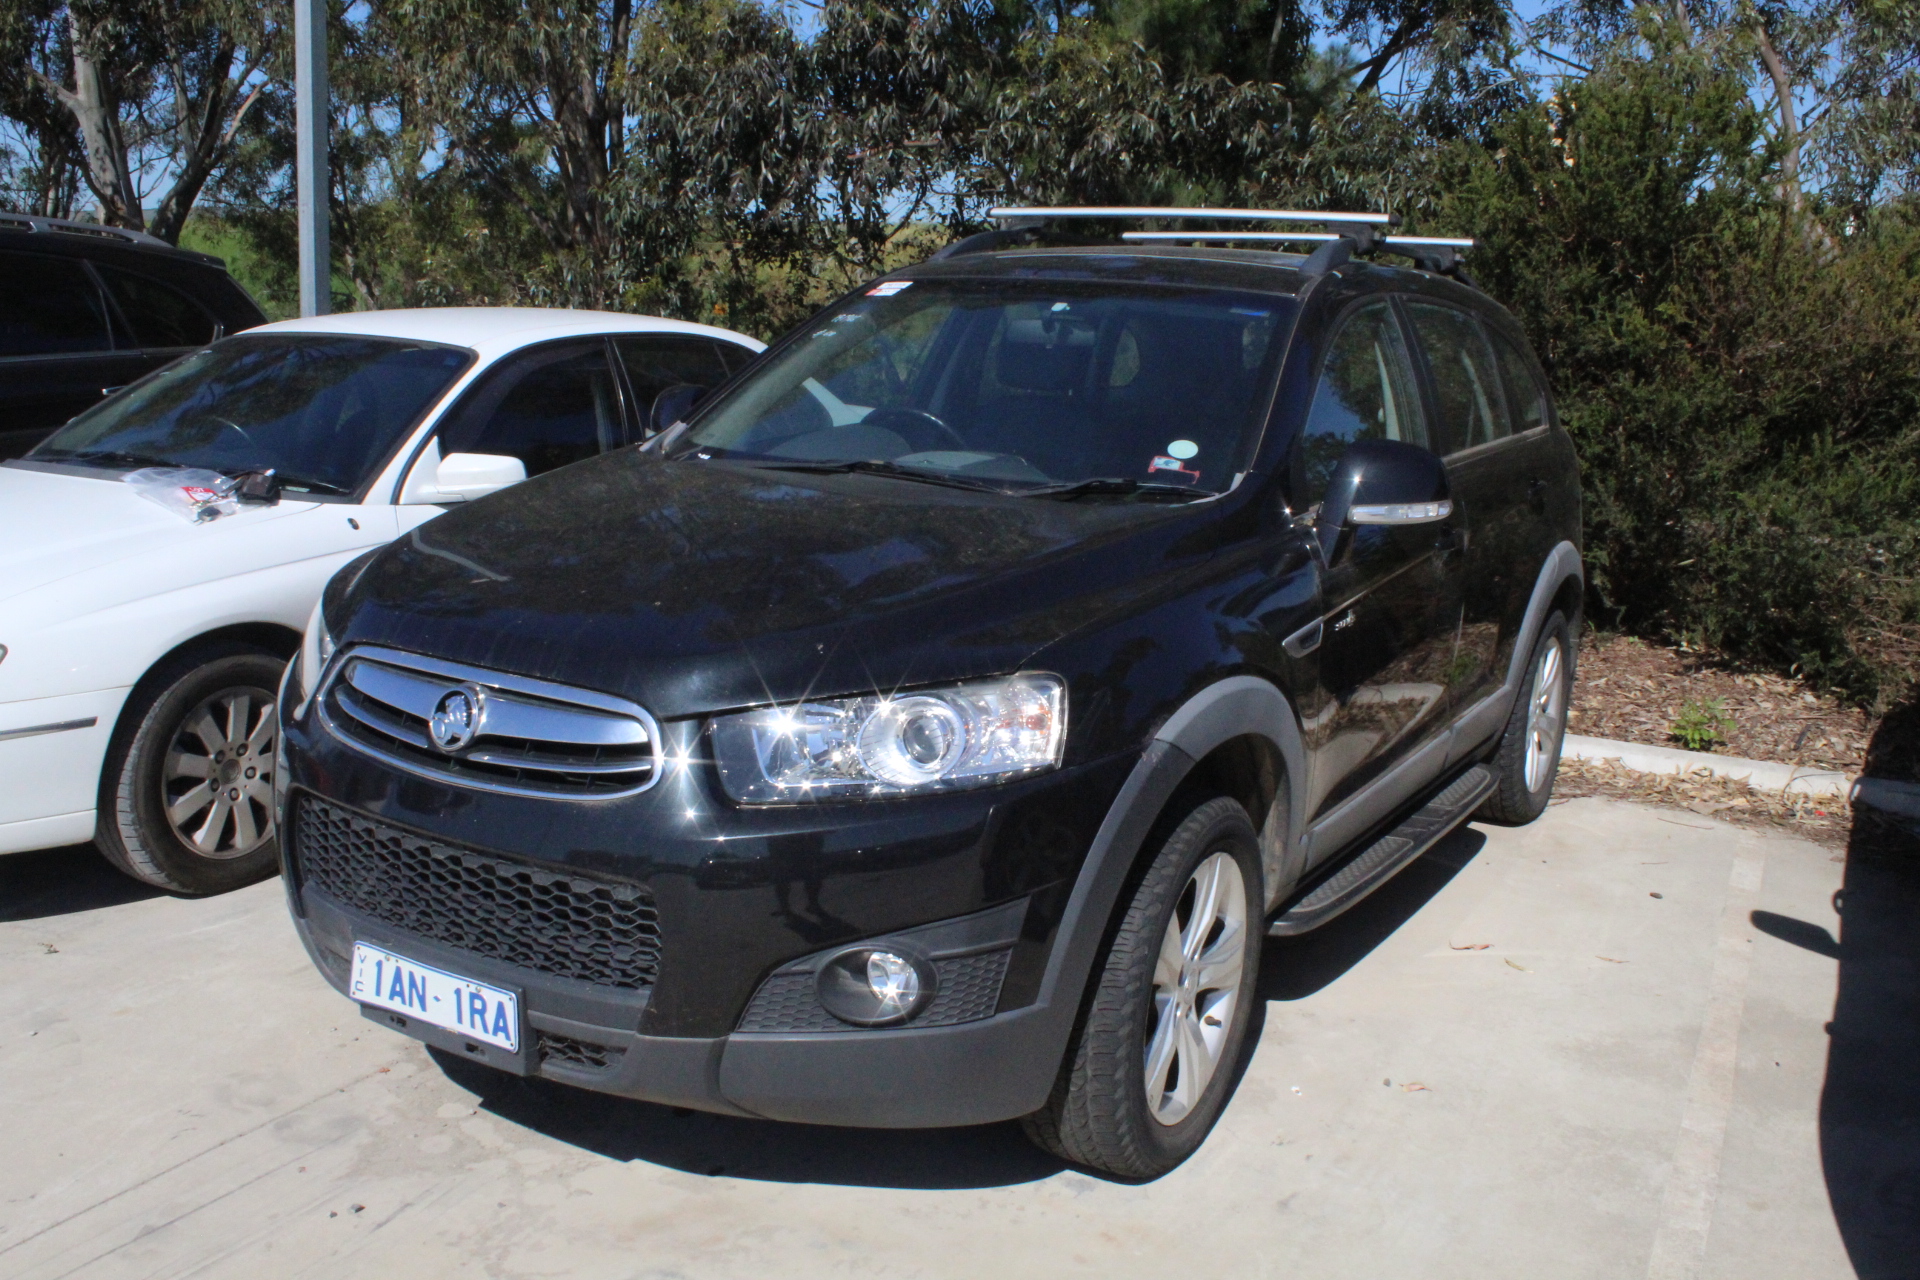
(146, 99)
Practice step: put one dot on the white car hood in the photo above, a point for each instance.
(58, 525)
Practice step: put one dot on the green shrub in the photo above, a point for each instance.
(1701, 725)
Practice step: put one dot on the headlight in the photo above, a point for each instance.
(927, 740)
(315, 650)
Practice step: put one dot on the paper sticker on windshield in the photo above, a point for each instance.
(888, 288)
(1165, 468)
(1183, 449)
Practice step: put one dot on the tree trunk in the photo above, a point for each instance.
(99, 120)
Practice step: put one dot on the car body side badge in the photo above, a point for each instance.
(1304, 641)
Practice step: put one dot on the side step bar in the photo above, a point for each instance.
(1376, 863)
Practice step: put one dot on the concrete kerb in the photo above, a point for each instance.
(1885, 794)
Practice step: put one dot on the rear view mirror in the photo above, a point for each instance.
(673, 404)
(1383, 482)
(466, 476)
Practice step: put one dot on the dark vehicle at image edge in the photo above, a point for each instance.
(86, 310)
(930, 730)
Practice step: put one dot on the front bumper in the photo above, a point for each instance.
(978, 1072)
(743, 897)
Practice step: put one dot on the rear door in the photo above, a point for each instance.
(1494, 424)
(1392, 593)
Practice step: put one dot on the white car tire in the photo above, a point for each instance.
(186, 797)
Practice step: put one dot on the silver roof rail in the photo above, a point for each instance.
(1347, 234)
(1237, 215)
(1432, 242)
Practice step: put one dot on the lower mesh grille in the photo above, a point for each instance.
(568, 1052)
(969, 990)
(567, 924)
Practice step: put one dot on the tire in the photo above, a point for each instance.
(1121, 1103)
(1529, 754)
(176, 737)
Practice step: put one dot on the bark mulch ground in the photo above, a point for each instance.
(1633, 691)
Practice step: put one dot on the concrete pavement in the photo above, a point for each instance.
(1591, 1047)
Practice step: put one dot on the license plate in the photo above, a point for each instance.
(473, 1009)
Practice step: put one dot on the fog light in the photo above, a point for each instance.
(870, 987)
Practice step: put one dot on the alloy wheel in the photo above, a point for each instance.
(1546, 715)
(1196, 987)
(216, 783)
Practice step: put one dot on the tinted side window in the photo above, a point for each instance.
(49, 306)
(1463, 374)
(546, 408)
(159, 315)
(655, 363)
(1526, 398)
(1366, 392)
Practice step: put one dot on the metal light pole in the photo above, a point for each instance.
(310, 153)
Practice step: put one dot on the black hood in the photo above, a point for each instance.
(693, 586)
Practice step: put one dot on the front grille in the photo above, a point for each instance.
(529, 737)
(584, 1054)
(969, 990)
(564, 923)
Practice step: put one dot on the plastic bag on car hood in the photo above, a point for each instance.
(192, 493)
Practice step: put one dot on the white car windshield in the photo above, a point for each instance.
(321, 411)
(1026, 385)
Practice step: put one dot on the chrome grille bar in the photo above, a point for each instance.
(532, 737)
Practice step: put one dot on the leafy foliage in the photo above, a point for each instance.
(1704, 214)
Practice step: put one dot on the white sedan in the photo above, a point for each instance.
(142, 635)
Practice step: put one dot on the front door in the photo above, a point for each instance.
(1392, 593)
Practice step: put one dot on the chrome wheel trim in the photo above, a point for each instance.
(216, 783)
(1196, 988)
(1546, 715)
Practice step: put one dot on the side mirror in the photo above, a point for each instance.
(466, 476)
(1383, 482)
(673, 404)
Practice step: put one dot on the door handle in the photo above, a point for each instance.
(1537, 494)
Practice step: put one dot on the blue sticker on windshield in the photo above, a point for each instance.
(888, 288)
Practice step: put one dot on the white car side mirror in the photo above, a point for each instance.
(465, 476)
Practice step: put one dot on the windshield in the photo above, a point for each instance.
(1028, 383)
(321, 411)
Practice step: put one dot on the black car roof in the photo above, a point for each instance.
(70, 235)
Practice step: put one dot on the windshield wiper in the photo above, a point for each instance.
(1116, 485)
(283, 482)
(110, 457)
(878, 467)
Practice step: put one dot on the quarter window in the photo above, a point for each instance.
(158, 315)
(547, 408)
(1366, 392)
(1464, 379)
(49, 306)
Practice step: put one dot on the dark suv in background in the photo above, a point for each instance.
(929, 730)
(86, 309)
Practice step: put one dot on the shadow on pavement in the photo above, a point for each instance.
(1870, 1106)
(60, 882)
(766, 1150)
(927, 1159)
(1295, 968)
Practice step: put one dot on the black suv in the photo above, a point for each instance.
(86, 309)
(929, 730)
